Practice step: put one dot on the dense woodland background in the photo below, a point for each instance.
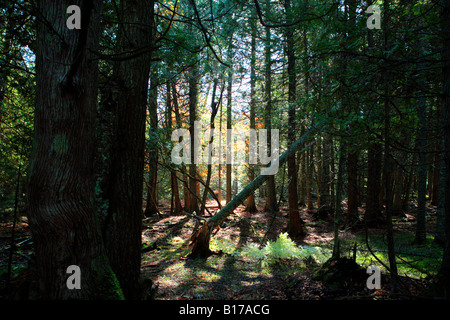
(86, 117)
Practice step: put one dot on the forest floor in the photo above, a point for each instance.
(234, 274)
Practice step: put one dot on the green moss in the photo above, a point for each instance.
(60, 144)
(108, 287)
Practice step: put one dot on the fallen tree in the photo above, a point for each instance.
(200, 238)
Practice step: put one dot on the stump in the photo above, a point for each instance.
(341, 273)
(200, 243)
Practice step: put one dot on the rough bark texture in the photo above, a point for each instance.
(62, 213)
(295, 227)
(251, 204)
(151, 207)
(271, 204)
(193, 76)
(122, 225)
(352, 186)
(443, 278)
(373, 210)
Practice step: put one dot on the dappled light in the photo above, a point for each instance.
(208, 150)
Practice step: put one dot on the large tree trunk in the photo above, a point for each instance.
(443, 277)
(62, 213)
(122, 225)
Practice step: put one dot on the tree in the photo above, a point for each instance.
(271, 204)
(295, 227)
(251, 205)
(123, 224)
(62, 214)
(151, 207)
(443, 278)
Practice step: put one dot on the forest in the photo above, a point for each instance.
(225, 150)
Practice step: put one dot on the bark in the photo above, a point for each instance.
(176, 207)
(193, 98)
(373, 215)
(338, 200)
(228, 167)
(439, 237)
(179, 125)
(214, 109)
(324, 173)
(151, 207)
(352, 186)
(309, 179)
(420, 236)
(122, 225)
(310, 152)
(443, 277)
(251, 205)
(271, 204)
(387, 159)
(61, 190)
(295, 226)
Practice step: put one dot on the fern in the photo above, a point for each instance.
(282, 250)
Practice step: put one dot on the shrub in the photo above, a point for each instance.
(281, 251)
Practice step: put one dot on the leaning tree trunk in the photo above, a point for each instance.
(62, 213)
(200, 238)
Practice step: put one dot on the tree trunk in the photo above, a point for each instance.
(387, 159)
(228, 167)
(443, 277)
(295, 226)
(422, 171)
(338, 200)
(151, 207)
(309, 179)
(176, 202)
(214, 109)
(251, 204)
(123, 223)
(193, 97)
(324, 173)
(372, 216)
(439, 237)
(271, 204)
(61, 190)
(352, 186)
